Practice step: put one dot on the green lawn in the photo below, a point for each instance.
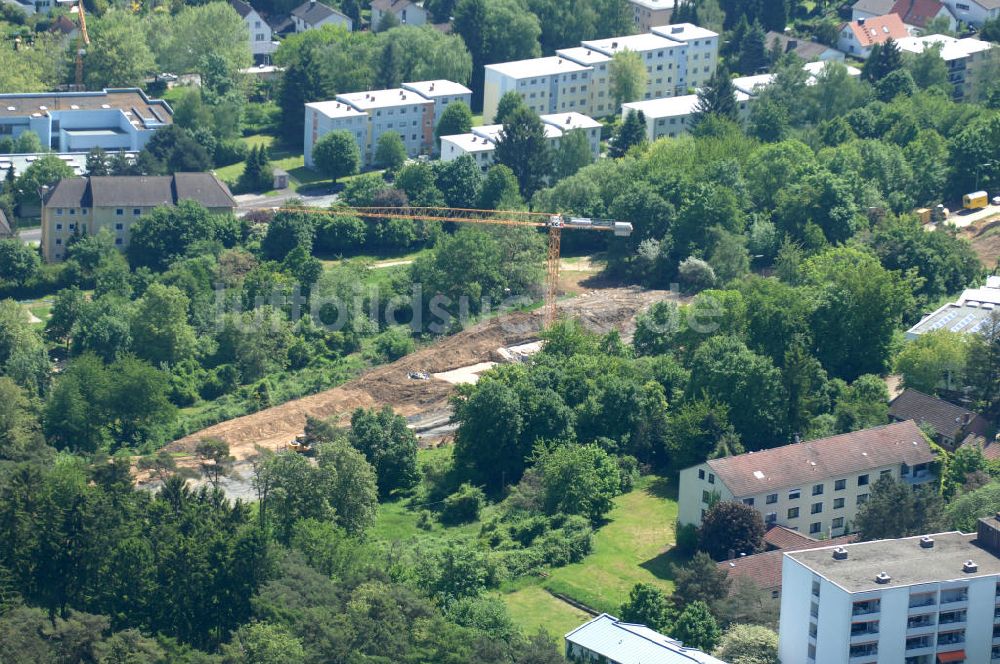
(293, 162)
(532, 608)
(634, 547)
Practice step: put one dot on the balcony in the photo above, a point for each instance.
(865, 609)
(955, 617)
(951, 639)
(930, 599)
(863, 652)
(951, 600)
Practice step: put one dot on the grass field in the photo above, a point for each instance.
(634, 547)
(299, 175)
(533, 608)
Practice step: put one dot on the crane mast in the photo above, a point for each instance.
(82, 41)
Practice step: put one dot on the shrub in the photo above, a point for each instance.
(463, 506)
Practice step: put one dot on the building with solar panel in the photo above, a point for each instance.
(971, 313)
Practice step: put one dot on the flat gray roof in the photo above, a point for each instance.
(904, 560)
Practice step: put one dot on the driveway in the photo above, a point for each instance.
(30, 235)
(964, 218)
(247, 202)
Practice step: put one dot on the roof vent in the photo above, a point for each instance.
(926, 542)
(569, 119)
(970, 566)
(432, 87)
(11, 108)
(105, 105)
(43, 108)
(74, 107)
(614, 44)
(861, 21)
(840, 553)
(882, 578)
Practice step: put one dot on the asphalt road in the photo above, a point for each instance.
(247, 202)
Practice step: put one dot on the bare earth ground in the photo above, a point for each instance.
(984, 235)
(599, 310)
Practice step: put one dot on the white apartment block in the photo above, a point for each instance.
(547, 85)
(665, 61)
(814, 487)
(322, 117)
(647, 13)
(674, 116)
(676, 57)
(966, 60)
(481, 141)
(702, 51)
(412, 111)
(916, 600)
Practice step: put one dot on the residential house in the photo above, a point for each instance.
(647, 13)
(810, 51)
(442, 93)
(262, 44)
(702, 50)
(919, 600)
(481, 141)
(607, 639)
(815, 486)
(313, 14)
(406, 12)
(547, 85)
(858, 37)
(974, 12)
(952, 425)
(30, 7)
(670, 117)
(112, 119)
(918, 14)
(971, 313)
(763, 570)
(871, 8)
(970, 61)
(76, 206)
(65, 28)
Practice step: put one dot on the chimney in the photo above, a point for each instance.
(969, 566)
(432, 87)
(312, 3)
(792, 45)
(614, 44)
(882, 578)
(861, 21)
(926, 542)
(840, 553)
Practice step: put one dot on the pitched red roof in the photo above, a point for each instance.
(799, 464)
(764, 569)
(917, 12)
(878, 29)
(780, 537)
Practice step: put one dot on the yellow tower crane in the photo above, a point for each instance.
(83, 40)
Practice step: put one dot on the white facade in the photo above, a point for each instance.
(673, 116)
(913, 600)
(665, 61)
(262, 44)
(313, 14)
(975, 12)
(322, 117)
(547, 85)
(676, 58)
(481, 141)
(406, 12)
(442, 93)
(702, 51)
(965, 59)
(398, 110)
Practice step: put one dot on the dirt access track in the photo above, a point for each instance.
(599, 310)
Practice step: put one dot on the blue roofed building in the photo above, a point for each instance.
(607, 639)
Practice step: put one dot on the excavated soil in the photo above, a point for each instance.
(599, 310)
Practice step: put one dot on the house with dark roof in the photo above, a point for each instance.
(313, 14)
(871, 8)
(406, 12)
(77, 206)
(857, 38)
(814, 487)
(952, 425)
(810, 51)
(262, 44)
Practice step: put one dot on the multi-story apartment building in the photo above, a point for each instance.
(702, 51)
(402, 111)
(78, 206)
(481, 141)
(547, 85)
(322, 117)
(112, 119)
(815, 486)
(969, 61)
(916, 600)
(665, 61)
(673, 116)
(647, 13)
(412, 111)
(677, 58)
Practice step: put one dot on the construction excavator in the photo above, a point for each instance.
(553, 223)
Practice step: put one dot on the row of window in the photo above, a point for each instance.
(72, 227)
(118, 241)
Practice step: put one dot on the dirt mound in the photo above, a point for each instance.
(599, 310)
